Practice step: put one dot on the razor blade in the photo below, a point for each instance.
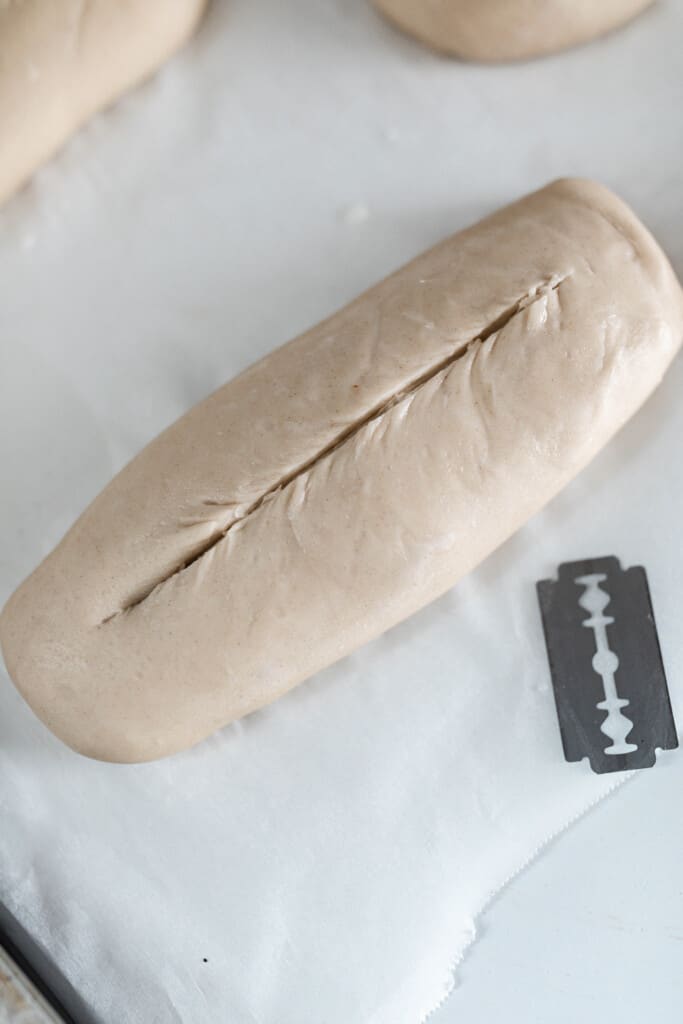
(608, 677)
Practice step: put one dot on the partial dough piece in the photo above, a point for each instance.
(62, 60)
(499, 30)
(348, 478)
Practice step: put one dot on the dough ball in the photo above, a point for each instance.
(499, 30)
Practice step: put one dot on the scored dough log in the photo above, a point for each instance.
(348, 478)
(63, 60)
(499, 30)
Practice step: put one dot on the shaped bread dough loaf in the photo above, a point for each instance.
(62, 60)
(498, 30)
(347, 479)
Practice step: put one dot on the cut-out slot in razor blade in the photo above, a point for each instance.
(606, 665)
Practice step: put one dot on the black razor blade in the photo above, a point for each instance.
(606, 665)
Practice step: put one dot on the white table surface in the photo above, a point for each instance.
(419, 146)
(593, 930)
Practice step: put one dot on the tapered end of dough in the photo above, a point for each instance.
(62, 62)
(646, 249)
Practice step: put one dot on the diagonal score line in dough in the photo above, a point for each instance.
(532, 295)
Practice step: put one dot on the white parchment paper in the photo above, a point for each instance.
(323, 861)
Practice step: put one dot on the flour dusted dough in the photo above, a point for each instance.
(507, 29)
(62, 60)
(348, 478)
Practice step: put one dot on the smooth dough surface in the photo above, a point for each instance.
(63, 60)
(348, 478)
(498, 30)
